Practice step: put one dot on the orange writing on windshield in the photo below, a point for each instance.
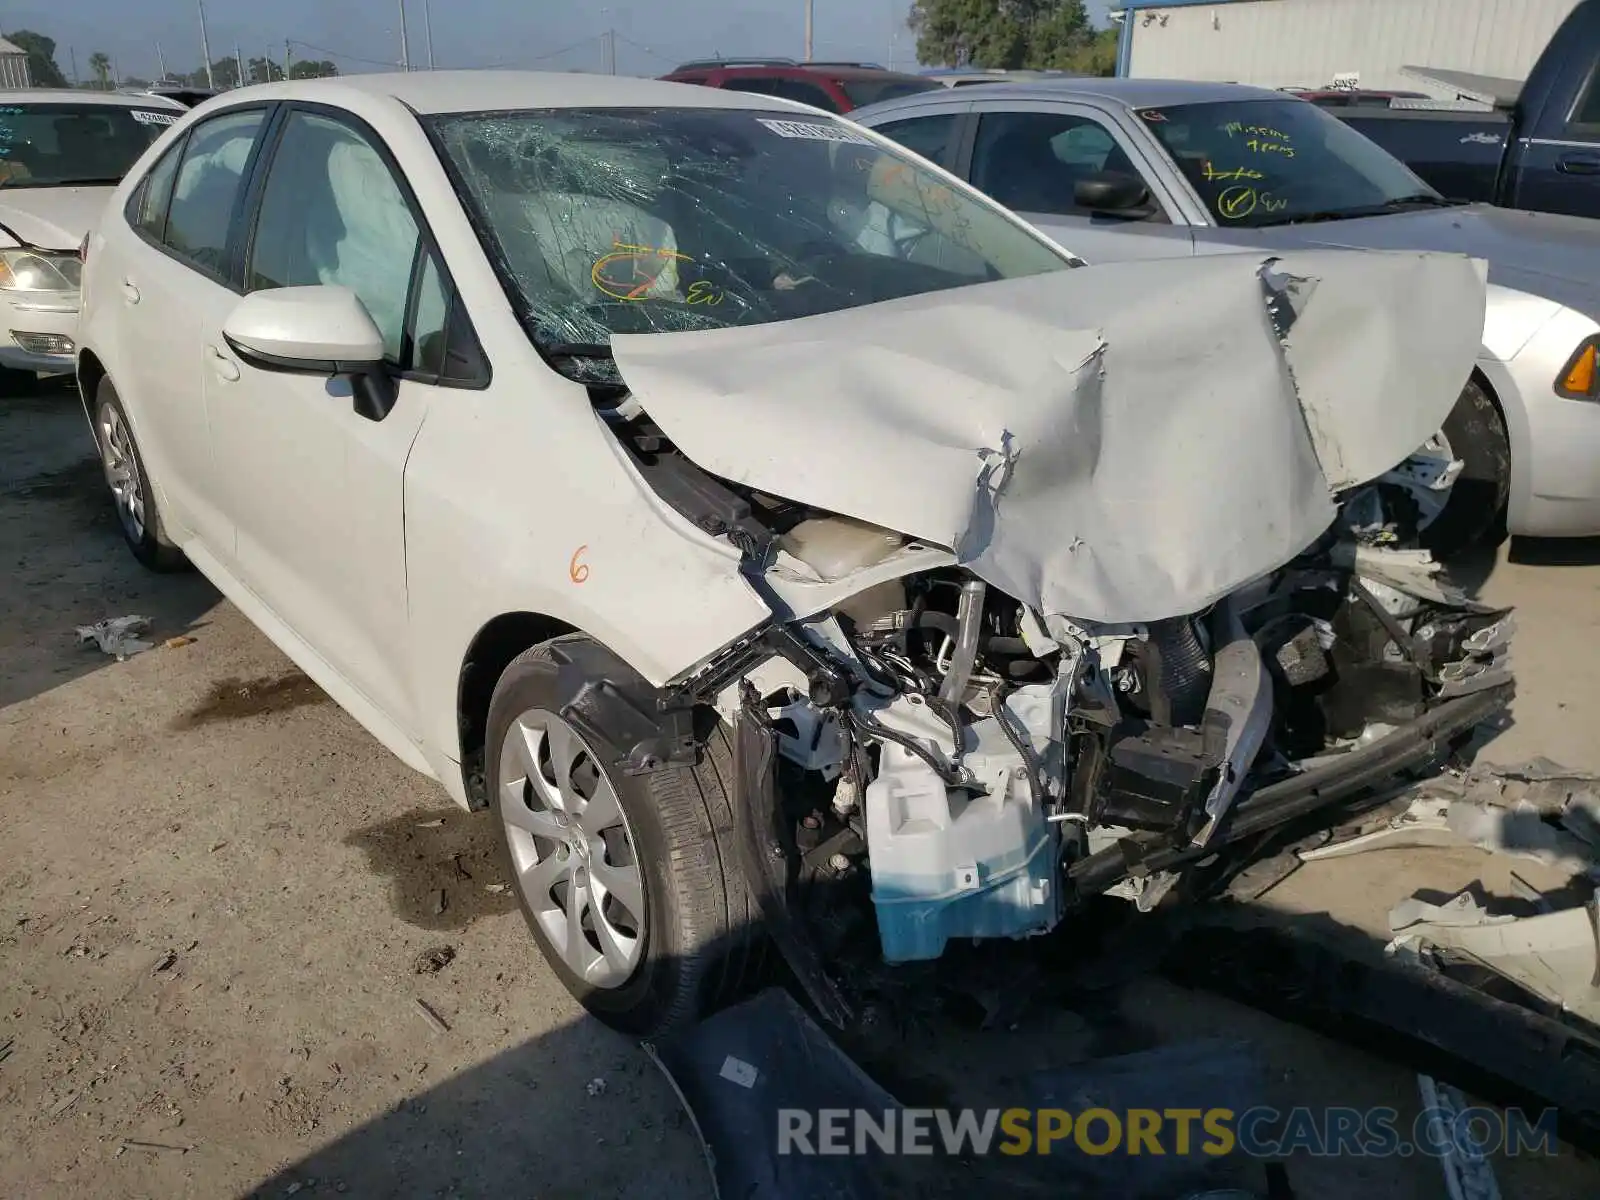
(628, 272)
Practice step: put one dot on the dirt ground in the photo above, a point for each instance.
(215, 889)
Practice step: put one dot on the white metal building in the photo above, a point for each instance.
(13, 66)
(1313, 43)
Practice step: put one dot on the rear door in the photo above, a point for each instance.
(1029, 155)
(169, 266)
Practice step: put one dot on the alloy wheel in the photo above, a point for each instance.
(571, 848)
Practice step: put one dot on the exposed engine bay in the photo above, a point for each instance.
(1070, 640)
(987, 769)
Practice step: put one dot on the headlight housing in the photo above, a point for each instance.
(39, 271)
(1580, 377)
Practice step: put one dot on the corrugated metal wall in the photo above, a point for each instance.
(13, 71)
(1305, 43)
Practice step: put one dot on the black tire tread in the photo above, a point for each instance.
(715, 936)
(1478, 437)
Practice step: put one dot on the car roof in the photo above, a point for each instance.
(1130, 93)
(13, 97)
(493, 91)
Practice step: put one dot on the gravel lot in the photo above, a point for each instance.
(215, 888)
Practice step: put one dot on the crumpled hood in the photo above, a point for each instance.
(1113, 443)
(55, 218)
(1544, 254)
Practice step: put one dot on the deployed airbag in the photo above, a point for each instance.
(1113, 443)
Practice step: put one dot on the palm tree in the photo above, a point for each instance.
(100, 64)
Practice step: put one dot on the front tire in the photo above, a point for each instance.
(138, 514)
(629, 884)
(1477, 436)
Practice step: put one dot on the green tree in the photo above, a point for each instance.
(41, 52)
(1008, 34)
(313, 69)
(100, 67)
(263, 70)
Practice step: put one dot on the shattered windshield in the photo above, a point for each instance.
(1278, 162)
(61, 145)
(652, 220)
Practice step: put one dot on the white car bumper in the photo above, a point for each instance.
(38, 331)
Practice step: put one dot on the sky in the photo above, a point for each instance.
(363, 35)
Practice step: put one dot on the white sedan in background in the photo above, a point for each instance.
(597, 443)
(61, 154)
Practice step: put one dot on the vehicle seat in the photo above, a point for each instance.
(1021, 171)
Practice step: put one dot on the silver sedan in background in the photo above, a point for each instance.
(1117, 169)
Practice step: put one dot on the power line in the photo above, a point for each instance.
(371, 62)
(656, 54)
(522, 62)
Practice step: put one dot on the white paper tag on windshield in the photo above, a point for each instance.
(815, 131)
(145, 117)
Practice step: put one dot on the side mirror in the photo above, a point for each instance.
(1112, 192)
(319, 330)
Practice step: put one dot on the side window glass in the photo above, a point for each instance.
(148, 212)
(332, 213)
(1031, 162)
(207, 188)
(1586, 113)
(785, 89)
(931, 137)
(430, 322)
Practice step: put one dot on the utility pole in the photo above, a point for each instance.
(405, 42)
(611, 51)
(809, 4)
(205, 46)
(161, 61)
(238, 60)
(288, 57)
(72, 53)
(427, 28)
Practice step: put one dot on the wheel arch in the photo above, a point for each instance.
(90, 372)
(1515, 423)
(491, 651)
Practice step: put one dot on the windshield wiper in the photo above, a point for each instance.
(1395, 204)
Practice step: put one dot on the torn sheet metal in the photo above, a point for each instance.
(116, 636)
(1556, 956)
(1120, 443)
(1453, 812)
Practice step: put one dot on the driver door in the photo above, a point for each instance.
(317, 489)
(1030, 155)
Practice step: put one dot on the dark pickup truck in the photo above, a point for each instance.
(1538, 149)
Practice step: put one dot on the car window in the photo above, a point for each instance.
(75, 145)
(207, 189)
(863, 92)
(1032, 161)
(430, 323)
(332, 213)
(784, 89)
(1276, 162)
(611, 221)
(148, 213)
(1586, 112)
(932, 137)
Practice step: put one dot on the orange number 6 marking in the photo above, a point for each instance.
(578, 571)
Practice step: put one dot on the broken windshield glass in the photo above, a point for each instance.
(663, 220)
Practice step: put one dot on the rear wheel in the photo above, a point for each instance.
(628, 883)
(1476, 435)
(138, 514)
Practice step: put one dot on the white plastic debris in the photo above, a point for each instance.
(116, 636)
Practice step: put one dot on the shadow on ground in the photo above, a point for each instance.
(61, 544)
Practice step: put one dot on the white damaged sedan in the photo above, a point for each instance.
(746, 511)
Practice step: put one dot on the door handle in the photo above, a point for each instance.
(1578, 164)
(225, 368)
(130, 291)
